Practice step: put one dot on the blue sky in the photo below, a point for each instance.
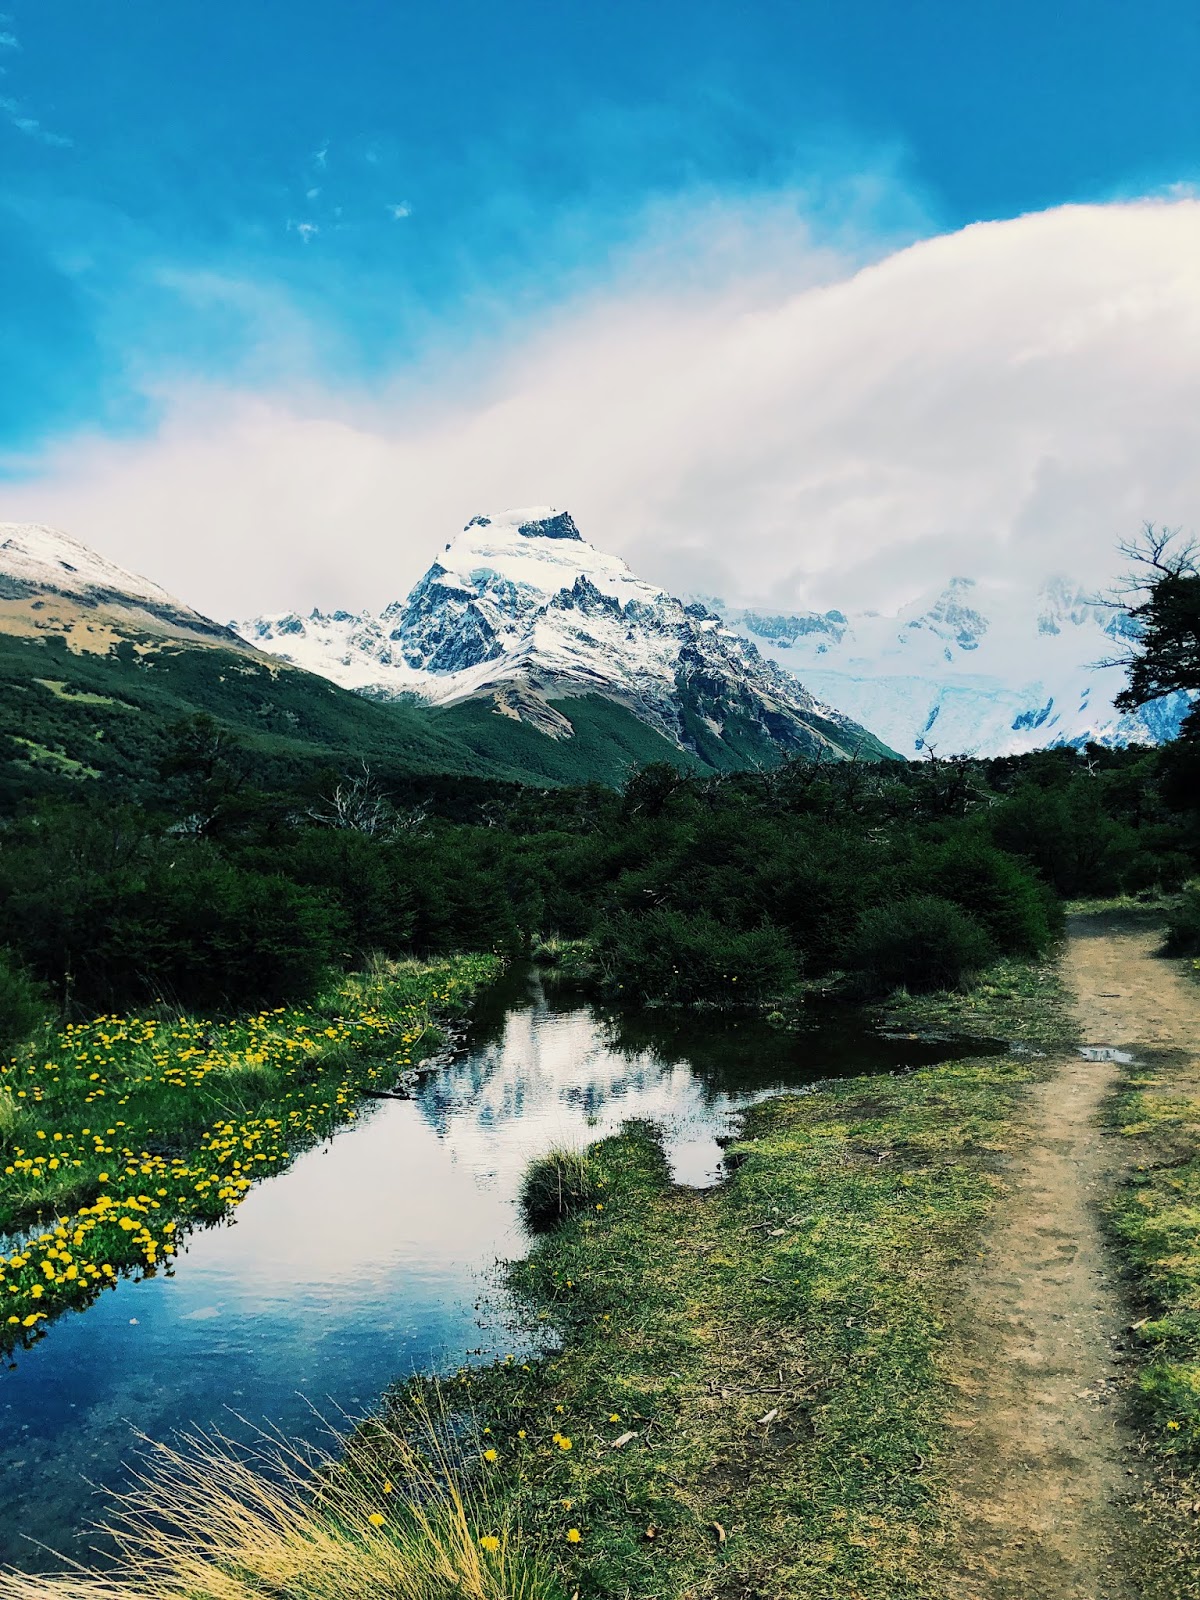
(251, 193)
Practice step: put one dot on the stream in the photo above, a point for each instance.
(374, 1255)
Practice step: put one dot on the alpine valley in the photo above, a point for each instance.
(526, 654)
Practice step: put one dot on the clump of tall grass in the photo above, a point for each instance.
(207, 1521)
(558, 1185)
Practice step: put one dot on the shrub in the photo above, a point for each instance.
(921, 942)
(559, 1185)
(668, 956)
(23, 1004)
(1066, 836)
(1183, 925)
(1017, 913)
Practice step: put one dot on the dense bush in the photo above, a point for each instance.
(1067, 835)
(920, 942)
(1183, 924)
(685, 960)
(1018, 915)
(237, 891)
(23, 1004)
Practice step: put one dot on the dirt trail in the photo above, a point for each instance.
(1045, 1462)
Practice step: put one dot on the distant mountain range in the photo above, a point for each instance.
(51, 585)
(527, 654)
(520, 611)
(979, 669)
(562, 668)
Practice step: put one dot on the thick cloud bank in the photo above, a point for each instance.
(1006, 401)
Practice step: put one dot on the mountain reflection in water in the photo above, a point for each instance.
(369, 1257)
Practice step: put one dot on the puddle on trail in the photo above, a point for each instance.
(367, 1260)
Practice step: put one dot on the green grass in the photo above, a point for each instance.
(1013, 999)
(1155, 1222)
(608, 744)
(744, 1391)
(119, 1134)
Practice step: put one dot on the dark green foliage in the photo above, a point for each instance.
(561, 1184)
(688, 960)
(197, 827)
(23, 1003)
(921, 942)
(1018, 914)
(113, 916)
(1183, 925)
(1165, 656)
(1066, 834)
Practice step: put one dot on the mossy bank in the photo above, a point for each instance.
(743, 1389)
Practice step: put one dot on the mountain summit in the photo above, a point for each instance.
(522, 611)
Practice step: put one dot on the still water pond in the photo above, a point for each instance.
(370, 1257)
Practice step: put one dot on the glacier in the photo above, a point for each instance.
(985, 669)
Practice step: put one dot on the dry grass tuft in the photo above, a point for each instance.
(207, 1521)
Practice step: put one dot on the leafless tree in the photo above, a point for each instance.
(358, 804)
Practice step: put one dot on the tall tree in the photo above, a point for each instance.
(1163, 600)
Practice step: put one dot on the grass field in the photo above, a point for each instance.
(1155, 1222)
(742, 1391)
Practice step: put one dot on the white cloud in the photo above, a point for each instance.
(19, 118)
(399, 212)
(765, 420)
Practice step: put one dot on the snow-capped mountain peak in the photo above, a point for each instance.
(53, 584)
(521, 608)
(46, 558)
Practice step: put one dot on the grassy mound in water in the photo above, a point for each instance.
(561, 1184)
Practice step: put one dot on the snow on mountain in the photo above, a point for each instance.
(50, 583)
(520, 608)
(980, 669)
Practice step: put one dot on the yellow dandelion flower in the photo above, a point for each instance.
(376, 1519)
(490, 1543)
(573, 1536)
(491, 1455)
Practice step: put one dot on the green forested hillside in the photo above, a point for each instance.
(68, 718)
